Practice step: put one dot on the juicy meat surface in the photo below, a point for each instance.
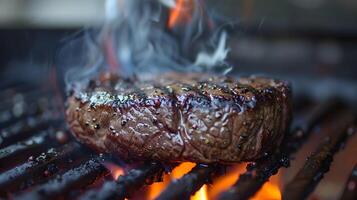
(181, 117)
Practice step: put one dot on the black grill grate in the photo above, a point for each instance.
(40, 160)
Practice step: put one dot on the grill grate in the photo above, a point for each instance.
(73, 179)
(258, 173)
(319, 162)
(31, 123)
(126, 185)
(32, 170)
(191, 182)
(350, 191)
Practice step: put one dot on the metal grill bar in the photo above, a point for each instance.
(31, 109)
(186, 186)
(26, 128)
(350, 191)
(126, 185)
(25, 97)
(29, 146)
(76, 178)
(319, 162)
(13, 179)
(258, 173)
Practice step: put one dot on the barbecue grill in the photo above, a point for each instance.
(40, 160)
(299, 41)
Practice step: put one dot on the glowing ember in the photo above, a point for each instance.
(270, 190)
(200, 194)
(180, 12)
(224, 182)
(114, 169)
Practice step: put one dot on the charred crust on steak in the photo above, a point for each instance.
(180, 117)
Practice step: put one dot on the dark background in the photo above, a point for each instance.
(309, 42)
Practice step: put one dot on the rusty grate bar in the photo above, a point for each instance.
(28, 172)
(186, 186)
(260, 172)
(129, 183)
(75, 178)
(350, 191)
(319, 162)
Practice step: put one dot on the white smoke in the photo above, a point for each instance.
(136, 38)
(168, 3)
(142, 41)
(210, 60)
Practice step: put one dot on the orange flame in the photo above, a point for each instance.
(200, 194)
(115, 170)
(156, 188)
(224, 182)
(180, 12)
(182, 169)
(270, 190)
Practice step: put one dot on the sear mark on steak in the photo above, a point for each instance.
(181, 117)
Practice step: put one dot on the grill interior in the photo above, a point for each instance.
(311, 43)
(39, 159)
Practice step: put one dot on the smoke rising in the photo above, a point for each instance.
(153, 36)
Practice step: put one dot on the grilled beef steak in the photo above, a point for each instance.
(180, 117)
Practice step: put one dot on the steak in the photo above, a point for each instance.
(181, 117)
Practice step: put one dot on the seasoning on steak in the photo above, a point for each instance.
(181, 117)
